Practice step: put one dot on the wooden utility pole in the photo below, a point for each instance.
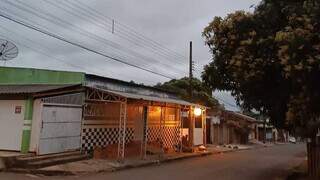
(113, 23)
(190, 71)
(191, 109)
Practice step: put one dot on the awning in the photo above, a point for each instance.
(149, 98)
(248, 118)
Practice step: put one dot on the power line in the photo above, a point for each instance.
(127, 28)
(116, 29)
(90, 35)
(42, 52)
(78, 45)
(82, 16)
(86, 33)
(82, 31)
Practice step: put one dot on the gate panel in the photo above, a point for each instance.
(60, 129)
(11, 124)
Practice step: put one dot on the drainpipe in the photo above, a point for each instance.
(26, 133)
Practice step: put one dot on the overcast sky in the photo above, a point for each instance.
(170, 24)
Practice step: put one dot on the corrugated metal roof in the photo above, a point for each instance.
(150, 98)
(28, 89)
(243, 116)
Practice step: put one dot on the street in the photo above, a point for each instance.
(261, 164)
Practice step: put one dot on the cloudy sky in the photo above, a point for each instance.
(151, 34)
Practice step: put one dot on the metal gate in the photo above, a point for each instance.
(60, 128)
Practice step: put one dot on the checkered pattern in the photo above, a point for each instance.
(153, 133)
(101, 137)
(171, 135)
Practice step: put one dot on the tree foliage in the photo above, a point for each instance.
(201, 93)
(270, 60)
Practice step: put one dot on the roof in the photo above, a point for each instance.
(33, 76)
(29, 89)
(150, 98)
(132, 84)
(248, 118)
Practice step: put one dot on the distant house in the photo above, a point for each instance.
(45, 111)
(228, 127)
(269, 133)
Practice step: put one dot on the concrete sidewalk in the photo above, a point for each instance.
(95, 166)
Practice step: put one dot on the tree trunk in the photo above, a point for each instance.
(313, 149)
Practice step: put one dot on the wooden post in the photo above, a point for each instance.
(180, 129)
(204, 126)
(145, 113)
(191, 127)
(122, 131)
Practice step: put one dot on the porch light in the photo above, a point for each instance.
(197, 111)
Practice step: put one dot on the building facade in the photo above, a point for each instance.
(227, 127)
(44, 112)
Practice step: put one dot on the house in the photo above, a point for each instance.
(228, 127)
(46, 111)
(268, 133)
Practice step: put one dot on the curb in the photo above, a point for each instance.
(157, 162)
(42, 172)
(128, 166)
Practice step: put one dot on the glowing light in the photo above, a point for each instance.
(197, 111)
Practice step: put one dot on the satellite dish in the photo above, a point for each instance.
(8, 50)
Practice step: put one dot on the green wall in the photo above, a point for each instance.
(26, 131)
(9, 75)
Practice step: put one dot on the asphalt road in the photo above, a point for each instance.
(257, 164)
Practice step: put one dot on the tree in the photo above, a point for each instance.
(201, 94)
(270, 61)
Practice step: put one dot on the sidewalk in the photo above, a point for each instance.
(95, 166)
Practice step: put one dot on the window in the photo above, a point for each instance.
(154, 114)
(171, 114)
(185, 122)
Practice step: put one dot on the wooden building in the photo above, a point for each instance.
(228, 127)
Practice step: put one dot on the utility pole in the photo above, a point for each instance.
(190, 71)
(113, 23)
(191, 109)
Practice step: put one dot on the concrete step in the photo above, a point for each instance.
(37, 162)
(55, 161)
(48, 156)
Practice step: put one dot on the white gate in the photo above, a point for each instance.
(60, 128)
(11, 124)
(198, 131)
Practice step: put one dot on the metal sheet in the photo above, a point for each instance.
(150, 98)
(60, 129)
(58, 145)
